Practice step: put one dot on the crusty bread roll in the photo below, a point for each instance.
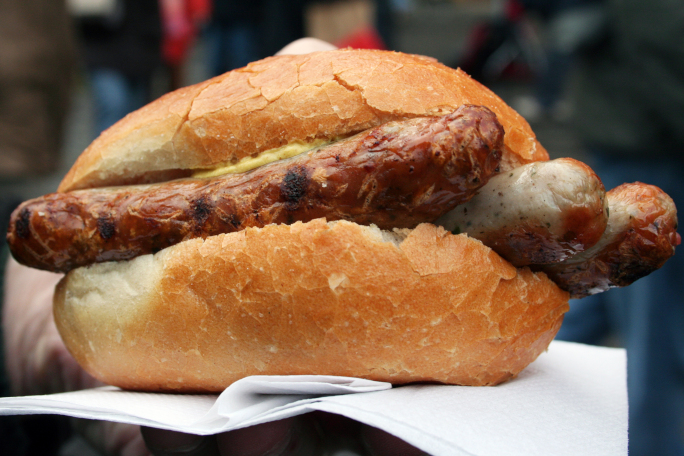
(333, 298)
(280, 100)
(325, 298)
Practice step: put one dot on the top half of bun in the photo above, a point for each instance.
(283, 99)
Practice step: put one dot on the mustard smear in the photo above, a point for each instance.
(264, 158)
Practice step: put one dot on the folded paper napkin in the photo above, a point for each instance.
(570, 401)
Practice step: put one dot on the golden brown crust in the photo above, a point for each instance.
(283, 99)
(310, 298)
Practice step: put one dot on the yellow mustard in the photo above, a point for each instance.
(264, 158)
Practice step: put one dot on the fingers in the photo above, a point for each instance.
(288, 437)
(112, 439)
(381, 443)
(344, 433)
(306, 46)
(37, 360)
(28, 328)
(167, 443)
(273, 438)
(298, 436)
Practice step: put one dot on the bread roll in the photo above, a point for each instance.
(321, 297)
(309, 298)
(280, 100)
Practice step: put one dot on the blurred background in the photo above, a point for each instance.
(191, 40)
(599, 80)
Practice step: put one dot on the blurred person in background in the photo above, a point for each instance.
(283, 23)
(569, 27)
(37, 65)
(233, 34)
(242, 32)
(36, 68)
(182, 22)
(502, 47)
(629, 114)
(122, 50)
(535, 41)
(358, 24)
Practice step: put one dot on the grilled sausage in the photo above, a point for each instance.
(542, 212)
(641, 235)
(396, 175)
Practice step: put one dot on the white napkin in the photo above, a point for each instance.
(570, 401)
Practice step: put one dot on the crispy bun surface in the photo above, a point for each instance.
(326, 298)
(280, 100)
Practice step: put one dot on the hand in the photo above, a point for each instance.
(306, 46)
(36, 358)
(305, 435)
(39, 363)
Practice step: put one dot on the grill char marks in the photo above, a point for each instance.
(201, 211)
(22, 223)
(398, 175)
(106, 227)
(294, 187)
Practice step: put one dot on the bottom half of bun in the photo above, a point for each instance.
(309, 298)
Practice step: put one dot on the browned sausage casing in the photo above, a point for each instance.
(538, 213)
(641, 235)
(396, 175)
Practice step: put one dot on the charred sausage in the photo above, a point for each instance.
(641, 235)
(396, 175)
